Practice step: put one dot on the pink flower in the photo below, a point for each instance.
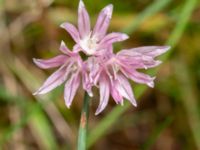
(93, 42)
(116, 69)
(70, 72)
(108, 71)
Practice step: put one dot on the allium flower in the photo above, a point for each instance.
(115, 70)
(93, 42)
(70, 71)
(102, 68)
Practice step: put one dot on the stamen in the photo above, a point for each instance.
(89, 44)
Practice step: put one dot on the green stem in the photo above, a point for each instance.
(83, 123)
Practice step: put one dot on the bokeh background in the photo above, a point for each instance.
(167, 116)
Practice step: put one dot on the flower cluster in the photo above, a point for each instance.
(102, 68)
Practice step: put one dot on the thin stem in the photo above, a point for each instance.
(83, 123)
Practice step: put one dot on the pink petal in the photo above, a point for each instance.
(52, 62)
(138, 62)
(71, 29)
(65, 49)
(113, 37)
(115, 93)
(104, 51)
(76, 48)
(85, 80)
(87, 85)
(129, 54)
(83, 20)
(93, 67)
(146, 64)
(103, 22)
(125, 89)
(56, 79)
(91, 71)
(139, 77)
(151, 51)
(71, 87)
(104, 94)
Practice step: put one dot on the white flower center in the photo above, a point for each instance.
(89, 44)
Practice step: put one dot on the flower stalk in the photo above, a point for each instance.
(82, 135)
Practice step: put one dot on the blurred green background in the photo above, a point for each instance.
(167, 116)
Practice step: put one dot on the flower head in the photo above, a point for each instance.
(70, 71)
(103, 68)
(93, 42)
(118, 68)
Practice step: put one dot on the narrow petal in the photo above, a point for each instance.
(56, 79)
(115, 93)
(87, 85)
(125, 89)
(103, 22)
(147, 64)
(91, 71)
(71, 29)
(83, 20)
(76, 48)
(104, 94)
(137, 62)
(93, 68)
(104, 51)
(139, 77)
(65, 49)
(151, 51)
(113, 37)
(71, 87)
(52, 62)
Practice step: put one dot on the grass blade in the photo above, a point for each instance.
(148, 12)
(34, 116)
(42, 130)
(182, 23)
(189, 99)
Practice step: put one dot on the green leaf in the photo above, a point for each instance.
(42, 129)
